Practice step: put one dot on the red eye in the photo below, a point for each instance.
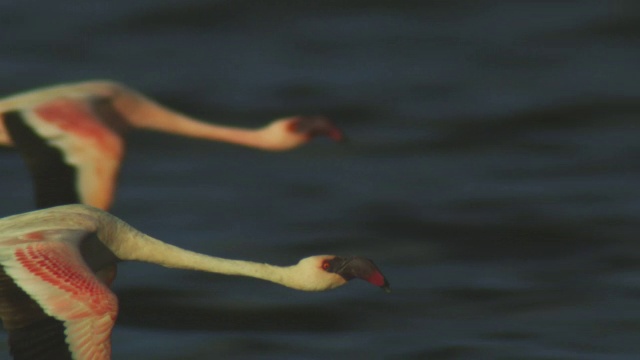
(326, 265)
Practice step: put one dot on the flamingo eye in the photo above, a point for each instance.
(326, 265)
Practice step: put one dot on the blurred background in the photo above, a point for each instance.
(492, 172)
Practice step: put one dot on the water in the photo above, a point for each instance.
(492, 172)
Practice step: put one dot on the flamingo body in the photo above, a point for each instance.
(56, 267)
(71, 136)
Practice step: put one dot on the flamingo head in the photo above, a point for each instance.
(324, 272)
(291, 132)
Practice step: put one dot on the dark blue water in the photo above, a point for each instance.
(492, 174)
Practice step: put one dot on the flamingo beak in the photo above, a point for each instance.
(315, 126)
(362, 268)
(337, 135)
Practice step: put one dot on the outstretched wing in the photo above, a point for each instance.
(73, 156)
(48, 267)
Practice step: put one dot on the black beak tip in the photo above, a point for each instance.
(336, 135)
(342, 139)
(386, 287)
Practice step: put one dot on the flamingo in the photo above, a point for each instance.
(55, 300)
(71, 136)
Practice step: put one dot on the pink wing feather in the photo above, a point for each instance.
(51, 270)
(86, 142)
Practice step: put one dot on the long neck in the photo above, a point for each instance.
(129, 244)
(144, 113)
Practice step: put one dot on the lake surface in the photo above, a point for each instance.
(493, 171)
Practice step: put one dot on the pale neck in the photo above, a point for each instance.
(197, 129)
(144, 113)
(136, 246)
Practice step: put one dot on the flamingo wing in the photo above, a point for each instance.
(70, 148)
(45, 270)
(32, 333)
